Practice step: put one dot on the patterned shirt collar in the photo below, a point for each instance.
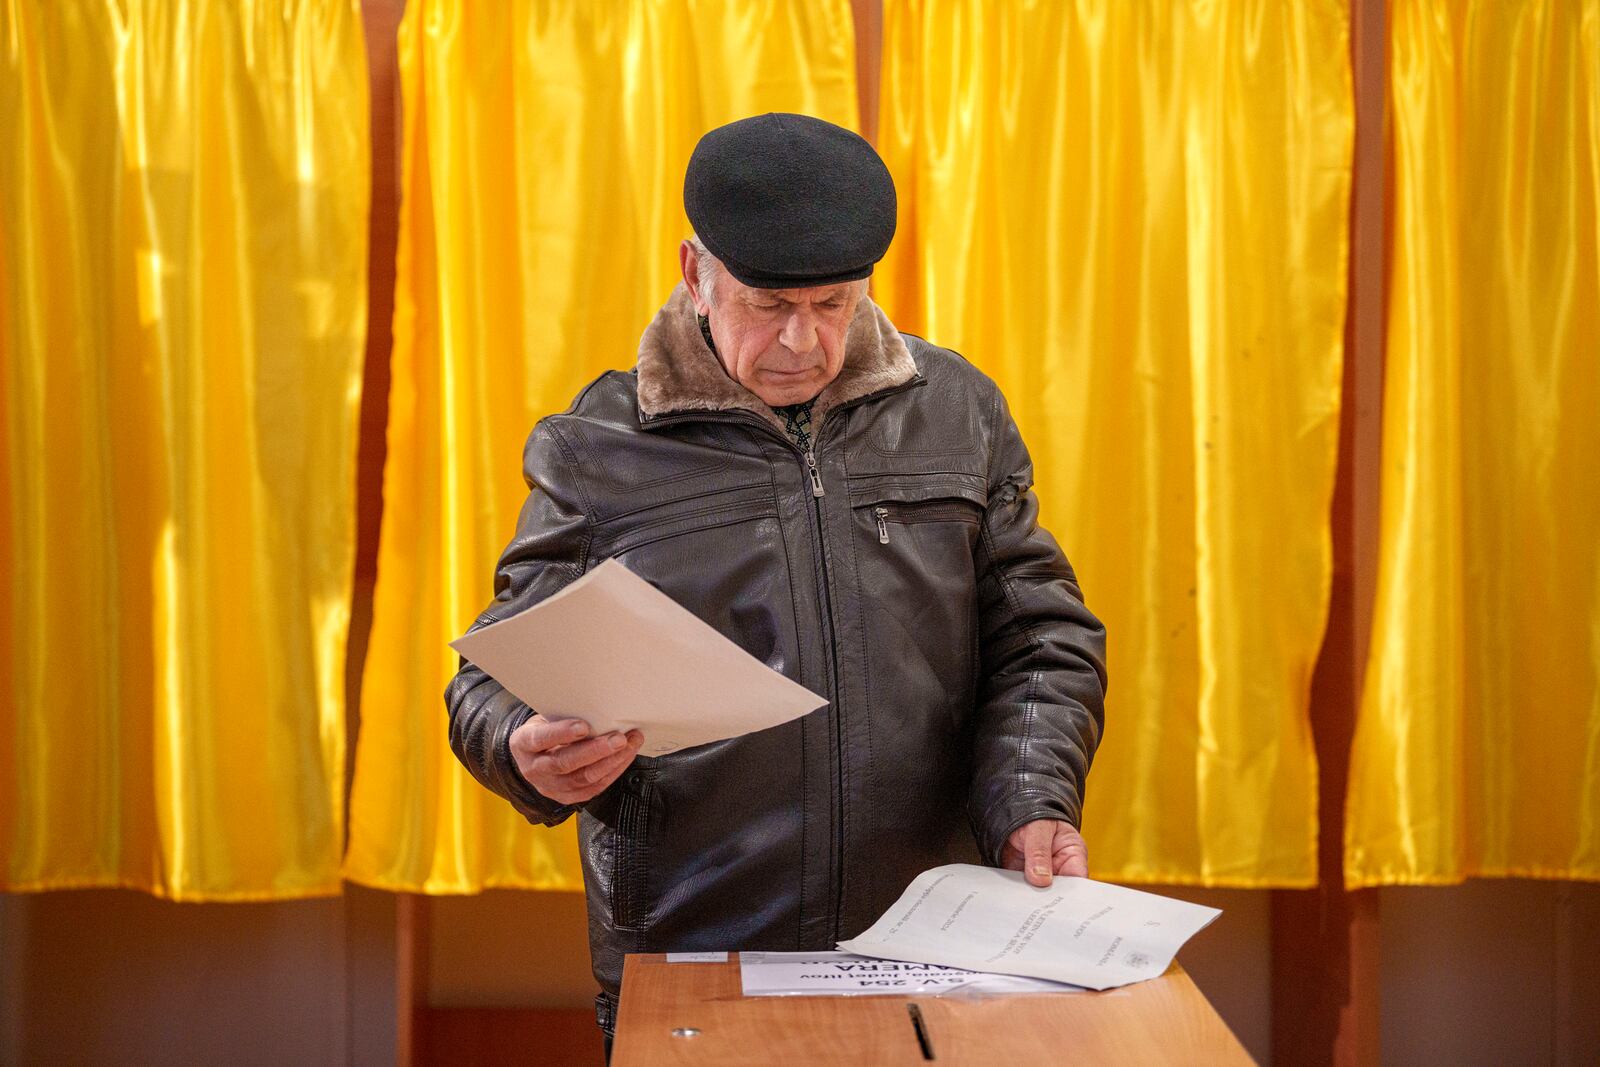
(797, 421)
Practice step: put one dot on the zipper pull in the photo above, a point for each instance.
(883, 524)
(816, 475)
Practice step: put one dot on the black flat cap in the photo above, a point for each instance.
(789, 201)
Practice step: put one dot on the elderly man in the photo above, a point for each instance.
(852, 506)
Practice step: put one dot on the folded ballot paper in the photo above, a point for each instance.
(615, 651)
(1078, 931)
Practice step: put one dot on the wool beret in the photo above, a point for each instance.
(790, 201)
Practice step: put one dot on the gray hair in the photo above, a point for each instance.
(710, 268)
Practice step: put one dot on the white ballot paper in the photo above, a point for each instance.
(781, 974)
(615, 651)
(1088, 933)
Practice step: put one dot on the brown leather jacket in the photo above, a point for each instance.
(899, 570)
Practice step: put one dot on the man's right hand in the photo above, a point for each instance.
(564, 763)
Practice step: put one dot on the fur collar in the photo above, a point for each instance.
(678, 373)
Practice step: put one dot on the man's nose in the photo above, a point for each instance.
(799, 333)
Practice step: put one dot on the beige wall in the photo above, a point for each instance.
(539, 954)
(116, 977)
(1492, 972)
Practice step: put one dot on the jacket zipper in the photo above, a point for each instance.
(927, 511)
(817, 492)
(809, 457)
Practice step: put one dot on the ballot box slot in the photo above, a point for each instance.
(920, 1026)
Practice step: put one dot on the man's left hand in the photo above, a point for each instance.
(1044, 848)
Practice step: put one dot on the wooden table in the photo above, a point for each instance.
(1164, 1020)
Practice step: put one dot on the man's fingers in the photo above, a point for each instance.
(606, 769)
(568, 758)
(544, 734)
(560, 759)
(1036, 839)
(590, 781)
(1046, 847)
(1075, 865)
(1030, 848)
(1071, 856)
(552, 732)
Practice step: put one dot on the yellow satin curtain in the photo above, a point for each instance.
(542, 207)
(183, 199)
(1134, 216)
(1478, 747)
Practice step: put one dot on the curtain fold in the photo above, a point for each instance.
(541, 211)
(183, 202)
(1477, 750)
(1134, 218)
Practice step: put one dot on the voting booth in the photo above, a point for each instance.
(697, 1013)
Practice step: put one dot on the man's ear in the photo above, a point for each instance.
(689, 264)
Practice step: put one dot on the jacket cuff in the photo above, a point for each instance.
(534, 805)
(1021, 808)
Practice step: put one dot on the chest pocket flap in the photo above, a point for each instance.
(964, 490)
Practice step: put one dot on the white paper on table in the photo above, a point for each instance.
(778, 974)
(615, 651)
(1088, 933)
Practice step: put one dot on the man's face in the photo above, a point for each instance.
(784, 345)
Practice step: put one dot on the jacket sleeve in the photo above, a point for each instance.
(550, 550)
(1041, 697)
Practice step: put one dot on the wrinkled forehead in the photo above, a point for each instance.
(814, 294)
